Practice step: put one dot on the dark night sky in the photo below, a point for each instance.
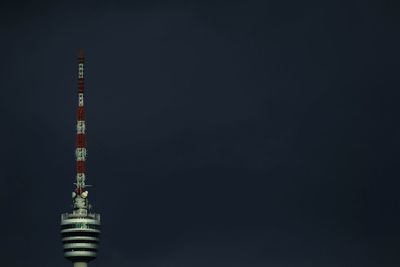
(220, 133)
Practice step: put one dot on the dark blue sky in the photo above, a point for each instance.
(220, 133)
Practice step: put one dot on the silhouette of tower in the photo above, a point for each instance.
(80, 229)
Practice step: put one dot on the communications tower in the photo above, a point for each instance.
(80, 228)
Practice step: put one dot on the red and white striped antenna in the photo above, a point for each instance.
(80, 151)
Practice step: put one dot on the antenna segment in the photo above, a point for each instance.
(80, 151)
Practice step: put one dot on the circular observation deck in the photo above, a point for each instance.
(80, 235)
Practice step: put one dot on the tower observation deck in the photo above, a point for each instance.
(80, 228)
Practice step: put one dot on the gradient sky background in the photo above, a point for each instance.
(220, 133)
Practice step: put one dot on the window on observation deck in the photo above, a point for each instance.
(80, 226)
